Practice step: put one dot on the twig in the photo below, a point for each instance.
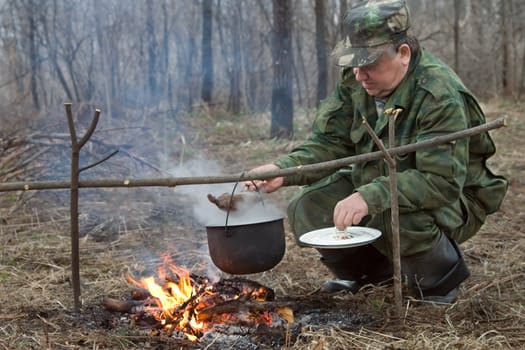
(98, 162)
(478, 288)
(26, 161)
(60, 136)
(90, 130)
(14, 155)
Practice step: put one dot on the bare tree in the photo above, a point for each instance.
(234, 101)
(343, 8)
(33, 51)
(257, 55)
(300, 43)
(282, 99)
(507, 31)
(321, 50)
(124, 56)
(207, 52)
(522, 80)
(52, 42)
(457, 9)
(152, 60)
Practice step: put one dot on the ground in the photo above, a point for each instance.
(126, 230)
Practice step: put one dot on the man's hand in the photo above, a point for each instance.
(350, 211)
(268, 185)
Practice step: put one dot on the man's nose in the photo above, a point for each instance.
(360, 74)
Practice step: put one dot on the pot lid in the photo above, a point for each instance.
(330, 237)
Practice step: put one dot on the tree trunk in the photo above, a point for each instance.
(207, 53)
(282, 99)
(522, 80)
(296, 73)
(457, 9)
(189, 73)
(342, 12)
(165, 62)
(152, 54)
(506, 50)
(33, 53)
(234, 104)
(50, 34)
(321, 51)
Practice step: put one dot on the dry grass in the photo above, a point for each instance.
(36, 295)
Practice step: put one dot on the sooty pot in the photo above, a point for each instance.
(248, 248)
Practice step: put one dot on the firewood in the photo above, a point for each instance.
(251, 289)
(122, 306)
(140, 294)
(232, 306)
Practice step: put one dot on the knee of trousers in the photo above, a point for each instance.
(308, 211)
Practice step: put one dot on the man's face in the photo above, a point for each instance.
(382, 77)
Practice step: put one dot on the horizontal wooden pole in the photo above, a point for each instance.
(200, 180)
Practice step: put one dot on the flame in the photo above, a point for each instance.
(170, 297)
(175, 300)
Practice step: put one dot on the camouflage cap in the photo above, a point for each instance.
(369, 27)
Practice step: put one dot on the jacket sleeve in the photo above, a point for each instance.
(329, 139)
(436, 177)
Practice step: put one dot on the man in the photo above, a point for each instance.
(445, 192)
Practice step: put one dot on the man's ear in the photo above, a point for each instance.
(405, 53)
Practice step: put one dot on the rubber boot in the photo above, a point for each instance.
(354, 267)
(436, 274)
(346, 280)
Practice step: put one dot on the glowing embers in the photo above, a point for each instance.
(176, 302)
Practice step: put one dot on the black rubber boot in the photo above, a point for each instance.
(436, 274)
(355, 267)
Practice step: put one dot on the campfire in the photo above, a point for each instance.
(176, 302)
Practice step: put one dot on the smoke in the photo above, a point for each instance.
(255, 207)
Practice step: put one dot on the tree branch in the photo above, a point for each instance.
(200, 180)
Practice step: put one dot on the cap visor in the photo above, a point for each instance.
(346, 56)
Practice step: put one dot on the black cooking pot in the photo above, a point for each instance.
(248, 248)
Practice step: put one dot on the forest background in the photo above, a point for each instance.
(161, 59)
(204, 87)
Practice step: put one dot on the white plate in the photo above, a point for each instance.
(329, 237)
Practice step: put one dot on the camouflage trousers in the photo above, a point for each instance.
(312, 208)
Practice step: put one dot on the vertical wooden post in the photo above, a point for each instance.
(394, 209)
(394, 204)
(76, 145)
(75, 253)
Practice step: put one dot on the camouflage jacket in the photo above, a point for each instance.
(430, 182)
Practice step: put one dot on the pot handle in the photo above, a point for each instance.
(231, 199)
(230, 205)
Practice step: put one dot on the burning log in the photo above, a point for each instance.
(122, 306)
(247, 288)
(191, 305)
(139, 294)
(236, 305)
